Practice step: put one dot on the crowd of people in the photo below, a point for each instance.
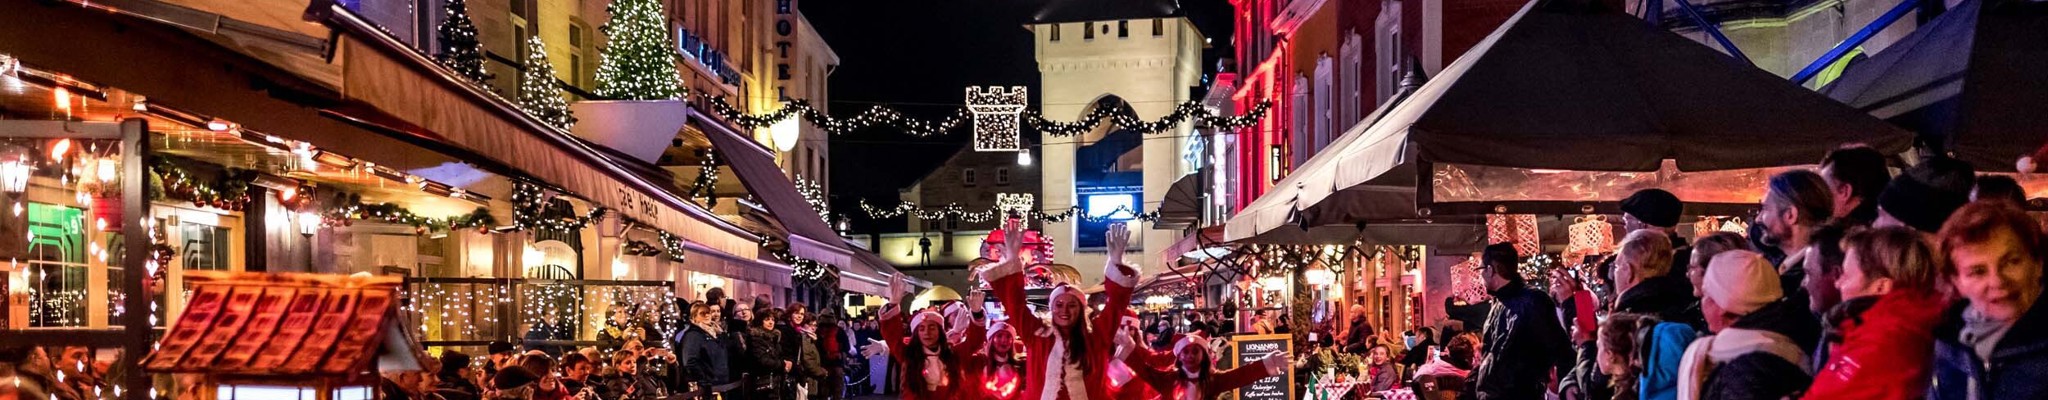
(725, 348)
(1852, 284)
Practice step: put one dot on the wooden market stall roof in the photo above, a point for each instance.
(283, 325)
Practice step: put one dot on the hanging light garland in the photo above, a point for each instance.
(956, 211)
(672, 245)
(814, 193)
(346, 208)
(879, 115)
(529, 204)
(706, 184)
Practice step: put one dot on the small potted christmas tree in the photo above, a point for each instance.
(637, 73)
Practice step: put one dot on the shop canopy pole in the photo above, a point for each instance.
(134, 260)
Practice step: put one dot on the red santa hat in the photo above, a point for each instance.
(2031, 161)
(927, 315)
(1067, 290)
(999, 327)
(1191, 339)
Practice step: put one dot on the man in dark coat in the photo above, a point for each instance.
(1359, 339)
(1665, 292)
(1524, 342)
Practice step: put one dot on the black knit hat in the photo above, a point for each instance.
(502, 347)
(453, 362)
(1924, 196)
(513, 377)
(1654, 206)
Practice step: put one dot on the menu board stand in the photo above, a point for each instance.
(1249, 349)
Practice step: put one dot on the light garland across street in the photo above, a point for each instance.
(956, 211)
(880, 115)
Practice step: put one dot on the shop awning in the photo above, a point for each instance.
(707, 260)
(1201, 238)
(809, 236)
(280, 81)
(1594, 105)
(867, 274)
(1310, 206)
(1970, 78)
(1182, 205)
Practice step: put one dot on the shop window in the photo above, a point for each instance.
(56, 266)
(1387, 46)
(204, 247)
(967, 177)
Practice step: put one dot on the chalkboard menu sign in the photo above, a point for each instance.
(1248, 350)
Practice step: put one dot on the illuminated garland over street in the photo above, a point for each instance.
(879, 115)
(955, 211)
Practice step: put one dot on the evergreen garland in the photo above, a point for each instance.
(537, 92)
(639, 61)
(460, 49)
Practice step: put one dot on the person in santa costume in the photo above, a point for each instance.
(932, 365)
(1122, 373)
(996, 367)
(1191, 374)
(1068, 355)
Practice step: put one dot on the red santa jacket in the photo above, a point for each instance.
(901, 347)
(1038, 338)
(1170, 381)
(1890, 355)
(993, 387)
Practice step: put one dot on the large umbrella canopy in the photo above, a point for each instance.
(1576, 85)
(1969, 79)
(1571, 104)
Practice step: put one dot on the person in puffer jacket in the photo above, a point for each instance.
(1886, 350)
(1751, 355)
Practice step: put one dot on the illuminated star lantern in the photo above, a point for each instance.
(996, 117)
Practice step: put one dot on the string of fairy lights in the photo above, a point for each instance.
(884, 116)
(958, 212)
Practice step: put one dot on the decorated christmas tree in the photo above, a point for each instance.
(639, 62)
(537, 92)
(459, 48)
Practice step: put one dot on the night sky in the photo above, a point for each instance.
(917, 56)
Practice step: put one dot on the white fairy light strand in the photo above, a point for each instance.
(956, 211)
(879, 115)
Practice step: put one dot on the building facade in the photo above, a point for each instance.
(1140, 58)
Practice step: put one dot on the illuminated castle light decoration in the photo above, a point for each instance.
(996, 117)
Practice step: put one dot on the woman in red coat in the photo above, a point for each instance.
(1192, 374)
(931, 367)
(1068, 354)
